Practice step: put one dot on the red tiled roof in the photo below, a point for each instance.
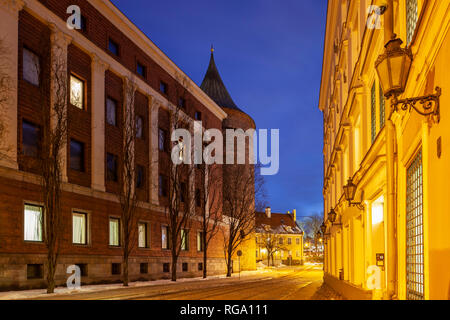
(277, 221)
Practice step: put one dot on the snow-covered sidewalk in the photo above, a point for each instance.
(40, 293)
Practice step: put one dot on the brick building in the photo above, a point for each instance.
(99, 59)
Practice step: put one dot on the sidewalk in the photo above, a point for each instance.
(325, 292)
(41, 293)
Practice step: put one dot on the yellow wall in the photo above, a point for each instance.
(345, 98)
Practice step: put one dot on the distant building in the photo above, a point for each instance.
(281, 232)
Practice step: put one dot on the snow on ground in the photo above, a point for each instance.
(37, 293)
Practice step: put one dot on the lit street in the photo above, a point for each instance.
(296, 283)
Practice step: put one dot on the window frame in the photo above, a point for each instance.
(117, 46)
(34, 204)
(119, 236)
(86, 227)
(116, 173)
(144, 69)
(39, 60)
(184, 240)
(115, 111)
(38, 132)
(147, 234)
(83, 155)
(162, 144)
(162, 186)
(163, 84)
(83, 82)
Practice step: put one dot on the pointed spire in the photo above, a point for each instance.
(214, 87)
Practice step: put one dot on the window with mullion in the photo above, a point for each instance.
(382, 106)
(411, 19)
(373, 114)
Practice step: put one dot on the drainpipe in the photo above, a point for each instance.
(390, 174)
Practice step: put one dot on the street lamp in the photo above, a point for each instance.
(332, 216)
(350, 192)
(393, 68)
(323, 228)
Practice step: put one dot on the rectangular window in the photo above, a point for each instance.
(76, 92)
(35, 271)
(31, 67)
(185, 266)
(382, 106)
(83, 269)
(184, 239)
(76, 155)
(297, 241)
(33, 223)
(165, 237)
(280, 241)
(411, 19)
(79, 228)
(198, 116)
(289, 241)
(373, 114)
(30, 139)
(113, 47)
(200, 242)
(141, 70)
(83, 22)
(114, 232)
(415, 272)
(140, 177)
(139, 127)
(162, 186)
(143, 268)
(116, 268)
(162, 140)
(198, 198)
(143, 235)
(163, 87)
(111, 111)
(166, 267)
(111, 167)
(182, 103)
(200, 266)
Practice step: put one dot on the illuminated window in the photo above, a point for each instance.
(33, 222)
(184, 240)
(411, 19)
(200, 242)
(114, 232)
(378, 211)
(76, 92)
(165, 237)
(31, 67)
(143, 235)
(415, 272)
(79, 228)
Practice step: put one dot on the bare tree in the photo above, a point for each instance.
(126, 193)
(180, 204)
(312, 227)
(211, 206)
(239, 207)
(272, 242)
(53, 139)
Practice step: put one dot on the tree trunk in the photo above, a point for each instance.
(174, 265)
(51, 275)
(205, 258)
(229, 264)
(125, 270)
(268, 259)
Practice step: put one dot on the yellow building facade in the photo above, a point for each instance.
(393, 241)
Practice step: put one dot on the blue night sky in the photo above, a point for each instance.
(269, 54)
